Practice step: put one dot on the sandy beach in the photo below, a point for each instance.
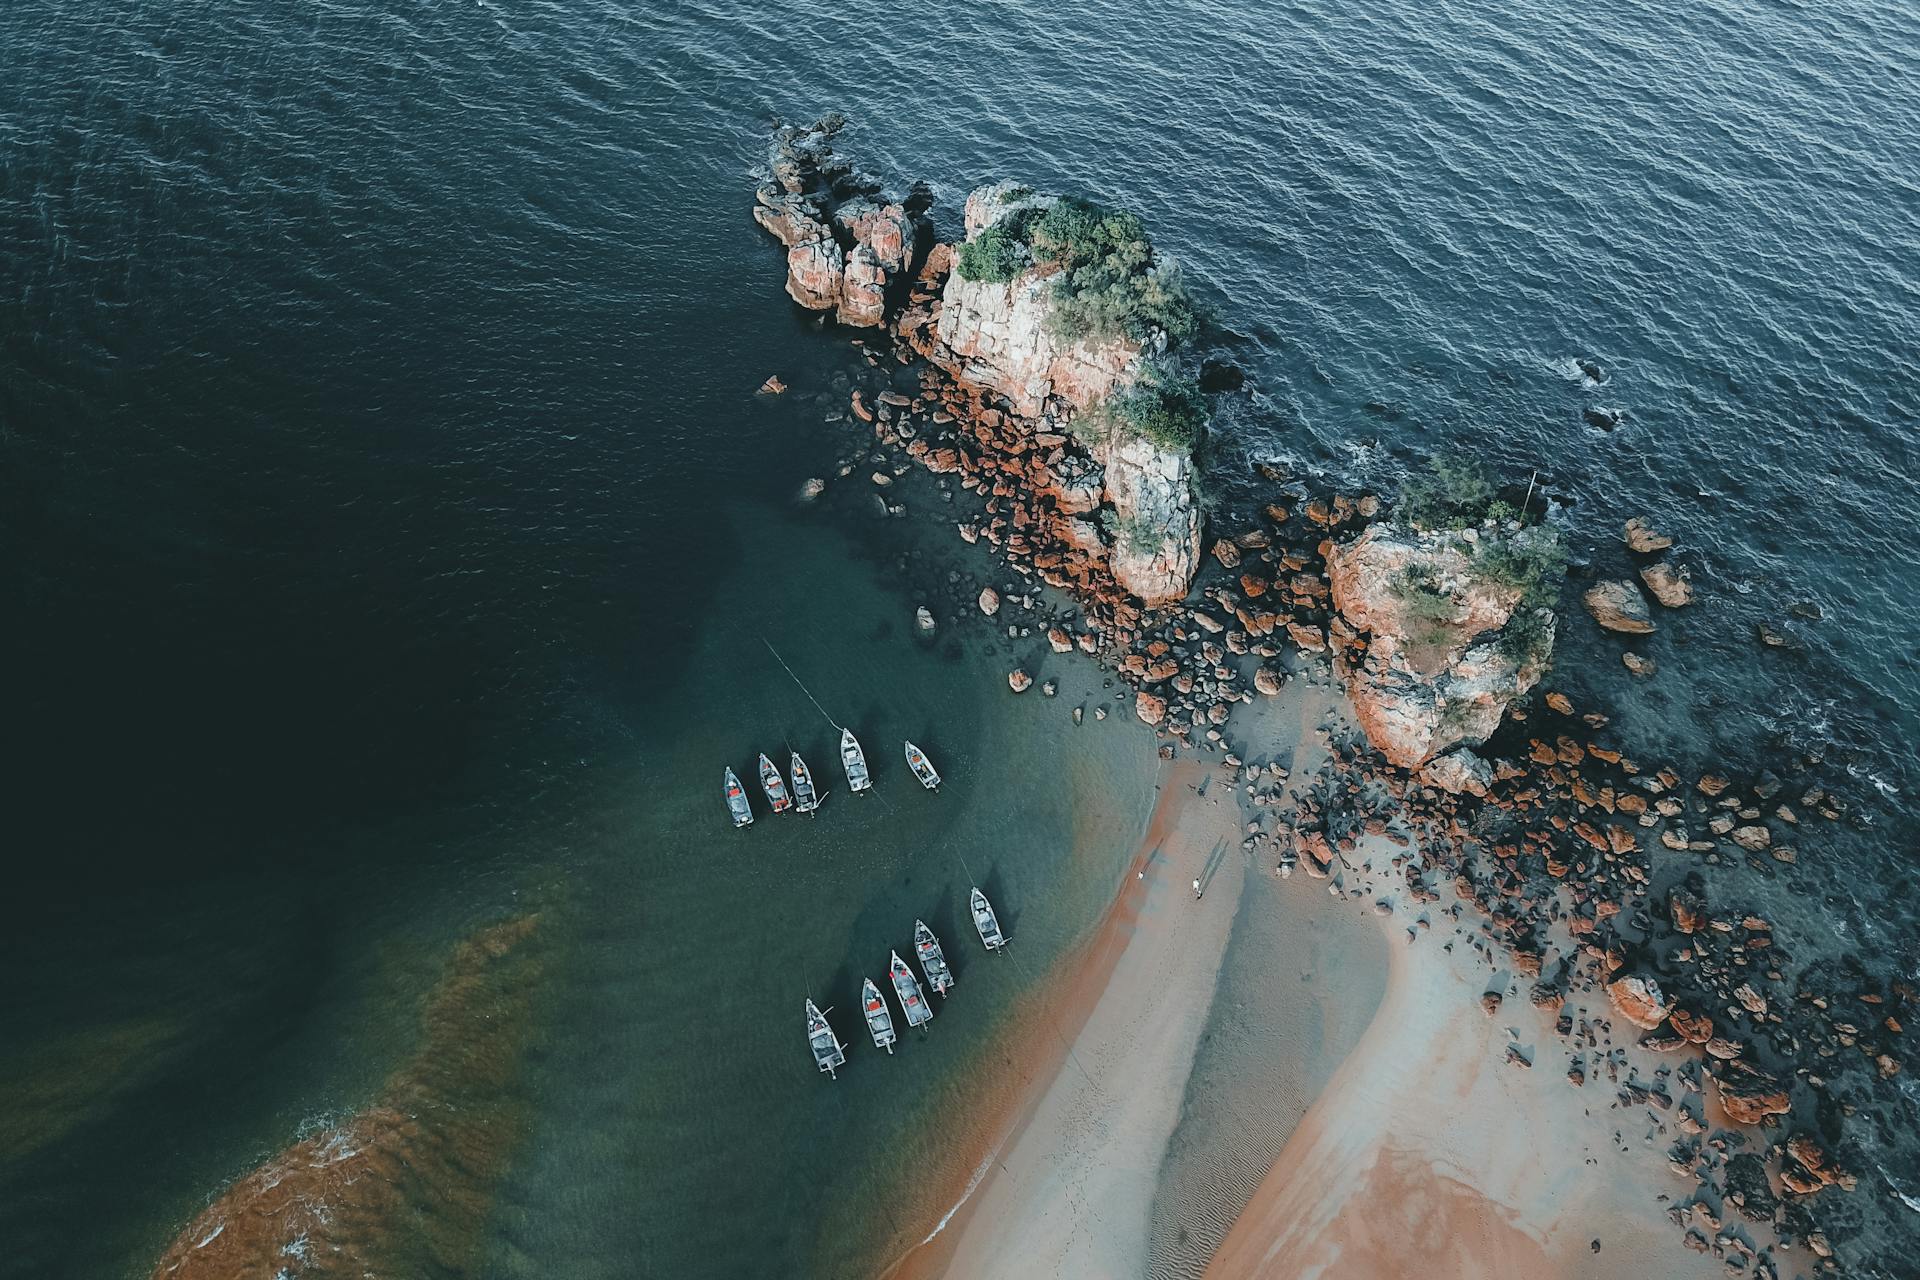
(1421, 1151)
(1432, 1154)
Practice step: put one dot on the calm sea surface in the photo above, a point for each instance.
(391, 539)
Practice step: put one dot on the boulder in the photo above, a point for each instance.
(1670, 586)
(1458, 772)
(923, 620)
(884, 230)
(1441, 669)
(1266, 680)
(1618, 606)
(1639, 1000)
(1150, 707)
(814, 268)
(1748, 1094)
(1689, 909)
(863, 290)
(989, 601)
(1019, 681)
(1641, 536)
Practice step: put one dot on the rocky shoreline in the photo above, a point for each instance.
(1588, 874)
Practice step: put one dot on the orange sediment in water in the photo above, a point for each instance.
(403, 1186)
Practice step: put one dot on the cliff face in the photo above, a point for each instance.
(1442, 666)
(1001, 336)
(1001, 333)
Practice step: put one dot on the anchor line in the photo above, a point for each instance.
(796, 679)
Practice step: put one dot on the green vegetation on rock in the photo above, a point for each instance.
(996, 255)
(1452, 493)
(1163, 405)
(1107, 281)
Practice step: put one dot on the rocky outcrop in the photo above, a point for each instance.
(1450, 644)
(847, 246)
(1618, 606)
(1000, 335)
(1156, 534)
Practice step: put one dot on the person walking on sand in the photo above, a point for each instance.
(1196, 890)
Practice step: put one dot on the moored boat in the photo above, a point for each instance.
(774, 785)
(855, 760)
(907, 987)
(986, 922)
(737, 801)
(828, 1052)
(879, 1017)
(922, 768)
(933, 961)
(805, 798)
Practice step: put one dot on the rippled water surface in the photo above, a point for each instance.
(389, 524)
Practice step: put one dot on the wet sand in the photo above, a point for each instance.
(1071, 1192)
(1430, 1154)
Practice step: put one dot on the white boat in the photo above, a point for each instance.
(907, 987)
(828, 1052)
(737, 801)
(805, 798)
(879, 1017)
(986, 922)
(922, 768)
(856, 762)
(775, 786)
(933, 961)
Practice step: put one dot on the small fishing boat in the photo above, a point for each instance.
(986, 922)
(856, 762)
(737, 801)
(907, 987)
(933, 961)
(828, 1052)
(879, 1018)
(805, 798)
(774, 785)
(922, 768)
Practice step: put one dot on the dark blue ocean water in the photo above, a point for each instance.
(371, 378)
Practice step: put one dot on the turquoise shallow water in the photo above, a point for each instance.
(386, 510)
